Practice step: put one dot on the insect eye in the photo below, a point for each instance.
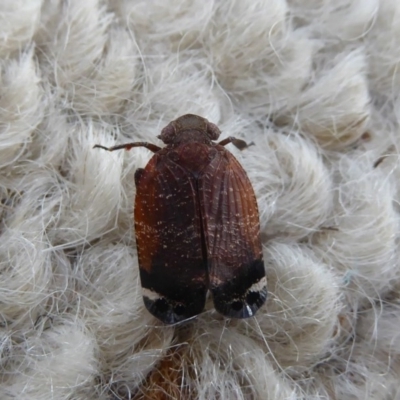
(213, 131)
(168, 133)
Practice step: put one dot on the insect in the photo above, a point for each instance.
(197, 225)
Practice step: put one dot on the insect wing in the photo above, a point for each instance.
(173, 270)
(232, 236)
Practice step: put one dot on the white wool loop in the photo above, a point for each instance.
(312, 83)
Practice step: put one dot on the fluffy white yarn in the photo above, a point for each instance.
(314, 83)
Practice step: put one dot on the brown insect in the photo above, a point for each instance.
(197, 225)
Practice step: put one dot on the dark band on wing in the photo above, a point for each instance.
(243, 296)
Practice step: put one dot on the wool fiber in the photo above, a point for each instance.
(312, 83)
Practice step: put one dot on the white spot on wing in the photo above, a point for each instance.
(258, 286)
(150, 294)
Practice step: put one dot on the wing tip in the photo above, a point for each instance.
(244, 306)
(170, 311)
(163, 310)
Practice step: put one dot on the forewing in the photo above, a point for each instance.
(232, 237)
(173, 270)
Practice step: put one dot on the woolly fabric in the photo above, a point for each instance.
(313, 83)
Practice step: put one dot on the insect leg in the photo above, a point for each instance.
(128, 146)
(239, 143)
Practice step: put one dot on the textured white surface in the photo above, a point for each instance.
(314, 83)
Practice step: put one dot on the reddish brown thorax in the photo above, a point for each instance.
(189, 139)
(193, 155)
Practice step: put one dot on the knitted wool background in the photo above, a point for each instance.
(314, 83)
